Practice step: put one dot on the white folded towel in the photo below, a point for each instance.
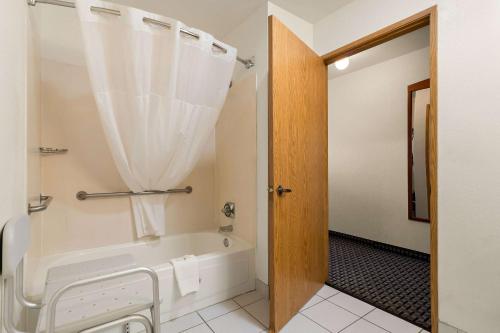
(187, 274)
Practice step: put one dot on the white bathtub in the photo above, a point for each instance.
(224, 271)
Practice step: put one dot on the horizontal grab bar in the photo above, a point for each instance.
(82, 195)
(45, 201)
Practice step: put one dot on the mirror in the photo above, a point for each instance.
(418, 151)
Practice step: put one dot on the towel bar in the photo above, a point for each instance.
(82, 195)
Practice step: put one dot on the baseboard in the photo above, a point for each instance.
(262, 288)
(447, 328)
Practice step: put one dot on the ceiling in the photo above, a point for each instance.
(405, 44)
(311, 10)
(217, 17)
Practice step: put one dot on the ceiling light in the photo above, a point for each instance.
(342, 64)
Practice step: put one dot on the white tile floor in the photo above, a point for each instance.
(329, 311)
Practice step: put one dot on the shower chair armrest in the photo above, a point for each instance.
(155, 312)
(19, 289)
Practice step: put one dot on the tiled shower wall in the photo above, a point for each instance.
(69, 119)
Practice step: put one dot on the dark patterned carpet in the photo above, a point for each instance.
(393, 279)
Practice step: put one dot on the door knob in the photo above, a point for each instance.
(282, 190)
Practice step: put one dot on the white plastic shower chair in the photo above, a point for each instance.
(85, 297)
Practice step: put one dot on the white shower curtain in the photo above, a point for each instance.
(158, 93)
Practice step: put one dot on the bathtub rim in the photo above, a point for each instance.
(32, 262)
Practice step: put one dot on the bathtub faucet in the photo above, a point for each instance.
(226, 228)
(229, 210)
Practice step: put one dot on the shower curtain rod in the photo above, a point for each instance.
(248, 63)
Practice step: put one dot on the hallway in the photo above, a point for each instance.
(393, 279)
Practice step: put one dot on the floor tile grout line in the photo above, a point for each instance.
(374, 308)
(384, 310)
(251, 315)
(359, 317)
(304, 308)
(233, 299)
(337, 292)
(239, 307)
(187, 329)
(230, 299)
(362, 318)
(184, 330)
(326, 300)
(204, 321)
(384, 328)
(340, 306)
(322, 300)
(350, 324)
(323, 327)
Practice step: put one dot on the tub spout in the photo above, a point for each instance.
(226, 228)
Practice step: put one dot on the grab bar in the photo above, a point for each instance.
(82, 195)
(45, 201)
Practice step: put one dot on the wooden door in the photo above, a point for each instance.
(298, 161)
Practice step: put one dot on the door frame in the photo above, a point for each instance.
(422, 19)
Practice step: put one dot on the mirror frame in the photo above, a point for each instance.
(425, 84)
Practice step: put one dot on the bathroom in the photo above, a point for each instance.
(65, 122)
(212, 217)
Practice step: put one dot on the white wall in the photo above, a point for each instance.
(15, 50)
(236, 159)
(367, 130)
(13, 96)
(469, 164)
(360, 18)
(33, 135)
(250, 38)
(302, 28)
(468, 134)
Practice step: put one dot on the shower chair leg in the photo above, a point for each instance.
(123, 322)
